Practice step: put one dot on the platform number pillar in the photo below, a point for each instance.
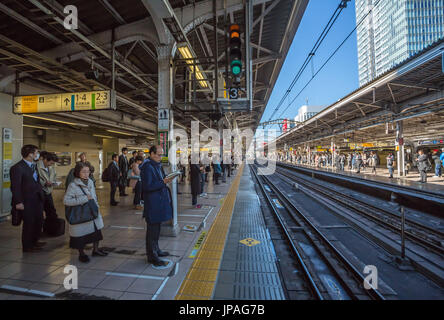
(166, 126)
(400, 148)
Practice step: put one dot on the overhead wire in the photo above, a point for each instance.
(330, 57)
(322, 36)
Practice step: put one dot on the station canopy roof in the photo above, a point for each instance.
(50, 58)
(411, 91)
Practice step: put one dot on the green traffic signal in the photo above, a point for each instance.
(236, 67)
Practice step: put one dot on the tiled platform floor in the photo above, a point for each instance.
(124, 230)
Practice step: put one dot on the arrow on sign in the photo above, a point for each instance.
(17, 104)
(66, 101)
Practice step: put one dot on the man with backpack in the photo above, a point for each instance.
(112, 175)
(423, 164)
(390, 162)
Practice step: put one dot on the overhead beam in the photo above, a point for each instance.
(29, 24)
(112, 11)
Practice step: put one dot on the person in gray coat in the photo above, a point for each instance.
(422, 165)
(79, 192)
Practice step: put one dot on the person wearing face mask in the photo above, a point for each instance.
(28, 197)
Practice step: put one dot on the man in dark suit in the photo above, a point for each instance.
(114, 178)
(27, 196)
(123, 166)
(158, 204)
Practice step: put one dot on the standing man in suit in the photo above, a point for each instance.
(48, 178)
(114, 178)
(27, 196)
(158, 204)
(123, 166)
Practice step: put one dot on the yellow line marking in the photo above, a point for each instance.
(201, 278)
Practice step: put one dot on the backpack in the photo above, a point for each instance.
(105, 175)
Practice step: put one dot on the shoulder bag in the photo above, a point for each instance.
(82, 213)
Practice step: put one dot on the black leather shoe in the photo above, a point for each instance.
(158, 263)
(99, 253)
(114, 204)
(163, 253)
(39, 244)
(123, 195)
(84, 258)
(35, 249)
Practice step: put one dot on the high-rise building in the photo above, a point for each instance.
(394, 31)
(307, 112)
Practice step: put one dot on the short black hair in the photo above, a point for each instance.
(51, 156)
(115, 155)
(135, 152)
(28, 149)
(79, 166)
(153, 149)
(138, 158)
(43, 154)
(124, 149)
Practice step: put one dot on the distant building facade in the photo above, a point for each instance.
(394, 31)
(307, 112)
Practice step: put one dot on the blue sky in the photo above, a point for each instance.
(338, 78)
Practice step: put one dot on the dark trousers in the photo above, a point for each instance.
(113, 191)
(32, 223)
(391, 170)
(122, 184)
(202, 182)
(216, 177)
(194, 199)
(137, 193)
(152, 240)
(423, 175)
(48, 207)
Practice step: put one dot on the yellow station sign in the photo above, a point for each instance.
(60, 102)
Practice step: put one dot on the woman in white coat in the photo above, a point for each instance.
(88, 232)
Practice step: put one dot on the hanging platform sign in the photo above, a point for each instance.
(63, 102)
(163, 121)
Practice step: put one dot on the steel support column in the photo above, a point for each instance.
(400, 153)
(165, 99)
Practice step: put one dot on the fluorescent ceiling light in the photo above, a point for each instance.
(39, 127)
(186, 54)
(119, 132)
(58, 121)
(100, 136)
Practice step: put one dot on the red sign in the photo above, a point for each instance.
(285, 126)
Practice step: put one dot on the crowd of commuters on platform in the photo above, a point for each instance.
(358, 161)
(34, 178)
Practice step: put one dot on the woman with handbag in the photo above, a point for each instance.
(82, 213)
(135, 182)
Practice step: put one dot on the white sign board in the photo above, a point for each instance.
(59, 102)
(163, 122)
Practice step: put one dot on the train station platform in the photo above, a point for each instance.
(124, 273)
(433, 185)
(223, 251)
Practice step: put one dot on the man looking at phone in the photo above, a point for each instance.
(157, 203)
(47, 178)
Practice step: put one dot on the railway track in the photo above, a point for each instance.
(427, 237)
(327, 272)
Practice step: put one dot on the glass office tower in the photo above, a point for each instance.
(394, 31)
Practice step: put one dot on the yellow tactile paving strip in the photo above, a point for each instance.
(200, 280)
